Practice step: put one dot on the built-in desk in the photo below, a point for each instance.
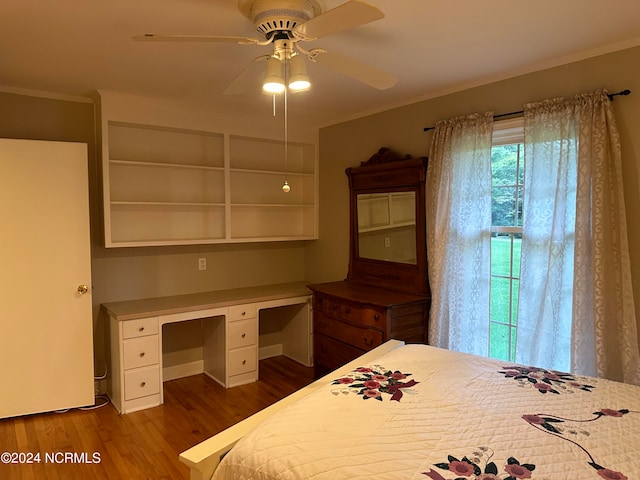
(230, 331)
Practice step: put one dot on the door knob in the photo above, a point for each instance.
(82, 289)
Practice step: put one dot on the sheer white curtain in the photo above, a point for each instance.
(459, 232)
(576, 309)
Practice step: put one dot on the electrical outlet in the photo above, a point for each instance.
(387, 242)
(202, 264)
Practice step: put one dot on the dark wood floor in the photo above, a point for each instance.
(145, 444)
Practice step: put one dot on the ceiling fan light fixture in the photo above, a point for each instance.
(273, 81)
(298, 79)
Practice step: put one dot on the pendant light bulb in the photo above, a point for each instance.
(299, 80)
(286, 187)
(273, 81)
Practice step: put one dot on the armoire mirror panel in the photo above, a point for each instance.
(387, 226)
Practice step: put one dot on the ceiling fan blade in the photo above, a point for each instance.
(362, 72)
(246, 80)
(343, 17)
(160, 37)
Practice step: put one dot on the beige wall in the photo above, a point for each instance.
(129, 273)
(347, 144)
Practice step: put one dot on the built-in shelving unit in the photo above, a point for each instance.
(259, 207)
(169, 186)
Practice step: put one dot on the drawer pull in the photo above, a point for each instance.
(141, 329)
(244, 313)
(244, 362)
(376, 317)
(244, 335)
(141, 354)
(347, 310)
(142, 385)
(368, 341)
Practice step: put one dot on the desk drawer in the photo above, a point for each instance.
(240, 312)
(141, 382)
(139, 327)
(243, 360)
(139, 352)
(242, 333)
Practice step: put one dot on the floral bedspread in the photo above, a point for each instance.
(420, 412)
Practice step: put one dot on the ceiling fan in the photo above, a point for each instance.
(286, 24)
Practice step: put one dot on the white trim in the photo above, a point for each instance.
(270, 351)
(182, 370)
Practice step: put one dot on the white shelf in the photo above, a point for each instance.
(275, 173)
(263, 155)
(158, 223)
(272, 221)
(137, 163)
(171, 146)
(167, 186)
(169, 204)
(263, 205)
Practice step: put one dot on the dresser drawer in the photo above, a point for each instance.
(139, 327)
(327, 304)
(141, 382)
(242, 333)
(360, 337)
(139, 352)
(330, 353)
(243, 360)
(240, 312)
(366, 316)
(355, 313)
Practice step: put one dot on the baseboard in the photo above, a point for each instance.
(196, 367)
(182, 370)
(270, 351)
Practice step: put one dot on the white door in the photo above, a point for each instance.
(46, 332)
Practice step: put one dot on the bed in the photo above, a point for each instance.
(420, 412)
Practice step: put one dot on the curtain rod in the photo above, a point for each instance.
(610, 95)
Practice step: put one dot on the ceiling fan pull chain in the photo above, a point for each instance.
(285, 186)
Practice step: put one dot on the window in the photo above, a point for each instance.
(507, 193)
(568, 316)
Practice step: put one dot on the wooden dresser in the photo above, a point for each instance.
(350, 318)
(386, 294)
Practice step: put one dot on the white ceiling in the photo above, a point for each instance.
(73, 47)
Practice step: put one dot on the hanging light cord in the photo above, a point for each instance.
(286, 186)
